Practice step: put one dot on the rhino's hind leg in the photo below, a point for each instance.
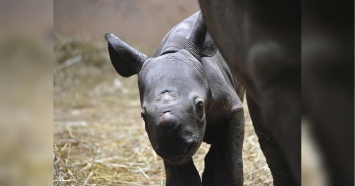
(181, 175)
(223, 162)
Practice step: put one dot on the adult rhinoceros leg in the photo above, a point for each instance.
(181, 175)
(275, 157)
(223, 162)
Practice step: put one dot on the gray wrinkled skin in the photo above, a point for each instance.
(188, 95)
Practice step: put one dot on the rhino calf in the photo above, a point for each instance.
(188, 95)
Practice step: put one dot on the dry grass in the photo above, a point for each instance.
(99, 137)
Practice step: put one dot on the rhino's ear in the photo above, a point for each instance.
(126, 60)
(200, 43)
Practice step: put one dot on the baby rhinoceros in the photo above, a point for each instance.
(188, 95)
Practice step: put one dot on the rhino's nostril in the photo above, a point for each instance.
(190, 146)
(187, 149)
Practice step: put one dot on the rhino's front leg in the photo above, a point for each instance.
(181, 175)
(223, 162)
(275, 156)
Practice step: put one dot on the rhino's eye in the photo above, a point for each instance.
(199, 107)
(143, 114)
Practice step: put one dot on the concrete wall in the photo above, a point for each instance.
(139, 22)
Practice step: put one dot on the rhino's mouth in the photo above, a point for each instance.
(182, 159)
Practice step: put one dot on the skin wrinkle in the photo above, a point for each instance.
(175, 57)
(167, 96)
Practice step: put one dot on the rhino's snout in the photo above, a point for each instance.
(168, 121)
(178, 155)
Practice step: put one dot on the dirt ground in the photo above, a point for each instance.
(99, 137)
